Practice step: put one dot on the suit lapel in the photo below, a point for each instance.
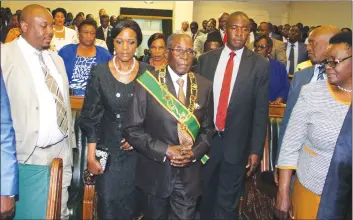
(23, 67)
(214, 63)
(245, 67)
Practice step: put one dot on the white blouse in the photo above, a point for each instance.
(70, 38)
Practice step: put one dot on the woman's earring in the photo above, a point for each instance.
(114, 52)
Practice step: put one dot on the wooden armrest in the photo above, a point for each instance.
(89, 202)
(55, 190)
(76, 102)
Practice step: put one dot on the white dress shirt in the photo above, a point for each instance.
(316, 73)
(105, 32)
(70, 37)
(284, 39)
(222, 34)
(49, 132)
(219, 74)
(295, 55)
(175, 78)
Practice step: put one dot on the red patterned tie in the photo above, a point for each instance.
(224, 95)
(225, 38)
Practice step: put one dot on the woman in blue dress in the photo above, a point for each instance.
(279, 83)
(80, 58)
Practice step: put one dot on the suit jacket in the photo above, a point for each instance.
(247, 116)
(336, 197)
(25, 110)
(278, 50)
(9, 165)
(300, 79)
(109, 40)
(198, 34)
(151, 129)
(276, 36)
(302, 52)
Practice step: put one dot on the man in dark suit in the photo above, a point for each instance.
(336, 197)
(104, 32)
(296, 51)
(169, 142)
(318, 42)
(220, 34)
(240, 89)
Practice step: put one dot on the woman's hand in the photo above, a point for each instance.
(283, 208)
(94, 167)
(126, 146)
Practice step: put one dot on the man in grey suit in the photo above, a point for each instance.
(38, 90)
(240, 90)
(278, 50)
(318, 42)
(296, 51)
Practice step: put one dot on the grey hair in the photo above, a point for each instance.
(172, 37)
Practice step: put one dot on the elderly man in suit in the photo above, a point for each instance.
(278, 50)
(9, 165)
(170, 124)
(37, 86)
(240, 90)
(336, 197)
(318, 42)
(104, 32)
(296, 51)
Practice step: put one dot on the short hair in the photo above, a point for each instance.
(154, 37)
(87, 22)
(300, 30)
(346, 29)
(59, 10)
(104, 16)
(194, 23)
(342, 37)
(127, 23)
(223, 13)
(80, 14)
(239, 13)
(172, 37)
(262, 36)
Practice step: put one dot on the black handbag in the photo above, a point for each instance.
(103, 157)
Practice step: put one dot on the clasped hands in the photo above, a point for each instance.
(179, 156)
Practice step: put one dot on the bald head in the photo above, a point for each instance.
(36, 24)
(319, 41)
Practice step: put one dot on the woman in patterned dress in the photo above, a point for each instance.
(310, 138)
(80, 58)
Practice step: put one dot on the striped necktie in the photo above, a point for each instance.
(59, 100)
(320, 76)
(185, 139)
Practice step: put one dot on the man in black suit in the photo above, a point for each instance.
(295, 51)
(157, 126)
(220, 34)
(240, 90)
(104, 32)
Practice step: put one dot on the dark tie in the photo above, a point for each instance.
(59, 100)
(320, 76)
(291, 60)
(224, 95)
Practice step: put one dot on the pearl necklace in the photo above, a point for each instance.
(343, 89)
(121, 72)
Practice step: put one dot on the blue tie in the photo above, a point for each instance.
(320, 76)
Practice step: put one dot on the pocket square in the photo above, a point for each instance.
(197, 106)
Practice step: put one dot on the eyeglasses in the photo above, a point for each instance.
(180, 52)
(334, 63)
(260, 47)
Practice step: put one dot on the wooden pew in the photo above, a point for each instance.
(55, 189)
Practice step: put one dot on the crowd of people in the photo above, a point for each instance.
(189, 118)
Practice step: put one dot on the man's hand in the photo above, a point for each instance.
(173, 151)
(179, 157)
(125, 145)
(253, 162)
(7, 207)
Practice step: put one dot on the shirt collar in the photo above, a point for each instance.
(295, 44)
(238, 53)
(26, 47)
(175, 76)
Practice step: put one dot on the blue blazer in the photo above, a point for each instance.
(68, 53)
(9, 164)
(300, 79)
(279, 83)
(336, 197)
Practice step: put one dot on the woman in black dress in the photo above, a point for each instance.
(108, 92)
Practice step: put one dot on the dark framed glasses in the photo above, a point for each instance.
(180, 52)
(334, 63)
(260, 47)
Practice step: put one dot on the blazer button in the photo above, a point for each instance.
(37, 108)
(37, 132)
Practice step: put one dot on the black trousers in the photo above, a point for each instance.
(177, 206)
(222, 188)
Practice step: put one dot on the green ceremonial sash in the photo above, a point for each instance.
(177, 110)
